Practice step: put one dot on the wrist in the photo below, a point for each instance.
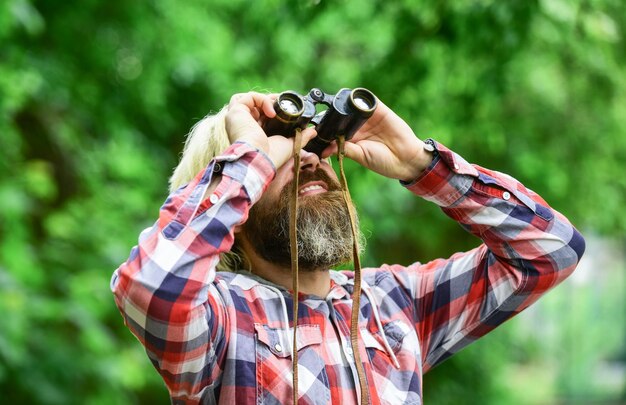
(427, 154)
(259, 143)
(423, 159)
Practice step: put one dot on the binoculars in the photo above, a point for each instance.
(347, 111)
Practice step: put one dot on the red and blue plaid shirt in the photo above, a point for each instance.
(224, 338)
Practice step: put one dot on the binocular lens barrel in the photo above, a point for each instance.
(361, 103)
(347, 111)
(289, 106)
(364, 101)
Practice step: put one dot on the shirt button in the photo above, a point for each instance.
(278, 347)
(214, 198)
(506, 195)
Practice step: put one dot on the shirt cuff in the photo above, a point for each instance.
(447, 179)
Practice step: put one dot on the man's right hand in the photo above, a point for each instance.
(387, 145)
(244, 118)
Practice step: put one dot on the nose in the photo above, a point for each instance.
(309, 160)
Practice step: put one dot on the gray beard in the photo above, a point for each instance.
(324, 232)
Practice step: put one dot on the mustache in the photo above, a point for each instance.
(316, 175)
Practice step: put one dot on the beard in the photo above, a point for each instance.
(323, 224)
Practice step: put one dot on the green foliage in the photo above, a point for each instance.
(95, 99)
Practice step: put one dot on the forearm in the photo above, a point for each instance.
(516, 224)
(163, 288)
(528, 249)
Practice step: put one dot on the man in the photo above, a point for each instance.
(224, 336)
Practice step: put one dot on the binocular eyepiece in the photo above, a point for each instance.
(347, 111)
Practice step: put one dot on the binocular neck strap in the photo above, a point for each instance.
(356, 294)
(293, 242)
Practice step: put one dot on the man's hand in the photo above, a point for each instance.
(246, 112)
(386, 145)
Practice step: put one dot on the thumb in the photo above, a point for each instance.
(351, 151)
(307, 135)
(354, 152)
(330, 150)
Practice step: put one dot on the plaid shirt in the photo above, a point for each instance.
(225, 337)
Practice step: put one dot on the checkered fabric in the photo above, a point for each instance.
(226, 337)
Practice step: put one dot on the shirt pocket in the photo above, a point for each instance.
(395, 333)
(400, 385)
(274, 370)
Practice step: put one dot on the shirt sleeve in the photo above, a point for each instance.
(164, 289)
(527, 249)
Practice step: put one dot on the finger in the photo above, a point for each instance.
(355, 152)
(268, 105)
(330, 150)
(254, 101)
(307, 135)
(234, 99)
(267, 109)
(262, 102)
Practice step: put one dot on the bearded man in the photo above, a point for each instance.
(207, 290)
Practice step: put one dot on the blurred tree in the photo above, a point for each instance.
(95, 99)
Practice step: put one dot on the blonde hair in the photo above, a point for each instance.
(208, 138)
